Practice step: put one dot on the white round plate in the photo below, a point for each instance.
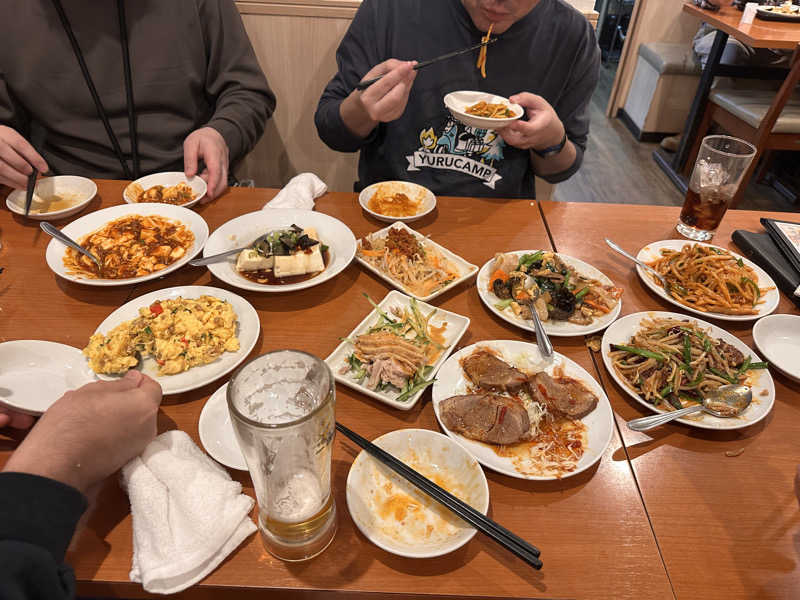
(457, 102)
(622, 331)
(82, 188)
(96, 220)
(412, 190)
(243, 230)
(367, 494)
(556, 328)
(248, 328)
(599, 423)
(778, 338)
(168, 179)
(652, 252)
(216, 431)
(34, 374)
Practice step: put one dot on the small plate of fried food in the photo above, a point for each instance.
(183, 337)
(482, 110)
(172, 187)
(392, 201)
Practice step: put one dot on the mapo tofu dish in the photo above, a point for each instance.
(132, 246)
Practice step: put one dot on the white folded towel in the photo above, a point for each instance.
(300, 192)
(188, 514)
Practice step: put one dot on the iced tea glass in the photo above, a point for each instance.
(282, 409)
(718, 171)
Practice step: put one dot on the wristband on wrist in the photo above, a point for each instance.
(551, 150)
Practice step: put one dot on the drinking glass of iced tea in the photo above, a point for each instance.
(718, 171)
(282, 410)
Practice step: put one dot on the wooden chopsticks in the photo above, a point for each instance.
(501, 535)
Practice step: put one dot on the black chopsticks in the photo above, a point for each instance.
(501, 535)
(365, 84)
(38, 135)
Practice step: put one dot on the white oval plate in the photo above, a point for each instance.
(216, 431)
(167, 179)
(622, 331)
(248, 329)
(412, 190)
(96, 220)
(778, 337)
(243, 230)
(85, 189)
(457, 102)
(599, 423)
(34, 374)
(557, 328)
(364, 492)
(652, 251)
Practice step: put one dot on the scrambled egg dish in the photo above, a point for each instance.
(179, 334)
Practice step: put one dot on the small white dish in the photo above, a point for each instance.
(552, 327)
(465, 269)
(93, 221)
(70, 186)
(621, 332)
(167, 179)
(778, 338)
(457, 103)
(456, 326)
(34, 374)
(526, 356)
(243, 230)
(412, 190)
(248, 328)
(217, 434)
(394, 515)
(652, 252)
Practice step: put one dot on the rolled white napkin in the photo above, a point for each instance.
(300, 192)
(188, 514)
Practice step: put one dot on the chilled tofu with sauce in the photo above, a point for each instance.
(287, 252)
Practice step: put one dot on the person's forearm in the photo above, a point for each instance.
(556, 163)
(355, 116)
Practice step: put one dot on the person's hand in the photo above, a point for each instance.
(12, 418)
(542, 129)
(91, 432)
(207, 144)
(386, 99)
(16, 158)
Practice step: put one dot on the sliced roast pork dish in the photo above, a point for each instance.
(488, 372)
(562, 396)
(486, 417)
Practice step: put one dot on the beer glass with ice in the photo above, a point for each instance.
(718, 171)
(282, 409)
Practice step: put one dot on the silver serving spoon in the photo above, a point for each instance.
(207, 260)
(68, 241)
(645, 266)
(726, 401)
(545, 346)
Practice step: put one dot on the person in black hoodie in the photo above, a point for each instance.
(87, 435)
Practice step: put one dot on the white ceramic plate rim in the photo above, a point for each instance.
(379, 541)
(98, 219)
(249, 327)
(651, 251)
(559, 329)
(760, 339)
(169, 178)
(211, 429)
(622, 330)
(19, 208)
(467, 268)
(484, 455)
(248, 227)
(428, 201)
(393, 298)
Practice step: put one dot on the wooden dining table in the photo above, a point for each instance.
(664, 515)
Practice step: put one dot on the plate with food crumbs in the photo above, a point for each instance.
(172, 187)
(54, 197)
(183, 337)
(482, 110)
(399, 518)
(397, 201)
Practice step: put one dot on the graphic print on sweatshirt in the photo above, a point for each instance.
(459, 147)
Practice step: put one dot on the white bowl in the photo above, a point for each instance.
(84, 189)
(457, 102)
(217, 434)
(434, 454)
(412, 190)
(778, 337)
(167, 179)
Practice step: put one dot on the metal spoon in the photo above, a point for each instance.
(207, 260)
(545, 346)
(68, 241)
(726, 401)
(646, 267)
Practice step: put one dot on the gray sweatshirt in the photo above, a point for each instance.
(192, 65)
